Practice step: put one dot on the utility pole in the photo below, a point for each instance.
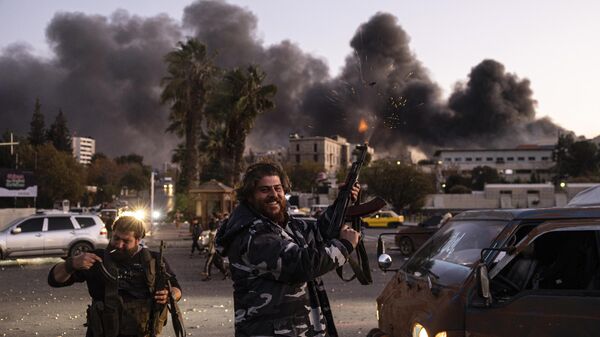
(12, 144)
(151, 199)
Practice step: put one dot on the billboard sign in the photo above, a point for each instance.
(16, 183)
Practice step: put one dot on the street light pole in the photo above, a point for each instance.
(152, 199)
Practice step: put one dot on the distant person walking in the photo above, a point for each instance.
(213, 258)
(196, 230)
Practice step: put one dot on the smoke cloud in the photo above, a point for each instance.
(105, 75)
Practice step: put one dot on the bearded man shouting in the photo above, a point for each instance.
(276, 259)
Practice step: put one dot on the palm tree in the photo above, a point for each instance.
(245, 98)
(186, 88)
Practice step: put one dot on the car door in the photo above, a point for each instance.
(59, 234)
(29, 241)
(557, 291)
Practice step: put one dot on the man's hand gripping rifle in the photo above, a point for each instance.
(342, 210)
(162, 281)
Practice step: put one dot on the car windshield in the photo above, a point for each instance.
(454, 250)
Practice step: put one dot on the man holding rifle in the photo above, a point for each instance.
(123, 280)
(276, 260)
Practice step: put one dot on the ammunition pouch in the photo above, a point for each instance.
(130, 318)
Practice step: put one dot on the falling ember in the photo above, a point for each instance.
(363, 126)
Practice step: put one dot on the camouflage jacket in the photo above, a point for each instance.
(270, 267)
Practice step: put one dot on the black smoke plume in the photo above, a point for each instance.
(105, 75)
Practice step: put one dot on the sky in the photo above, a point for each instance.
(553, 44)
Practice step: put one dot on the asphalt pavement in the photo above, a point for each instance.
(29, 307)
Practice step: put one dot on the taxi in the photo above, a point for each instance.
(384, 219)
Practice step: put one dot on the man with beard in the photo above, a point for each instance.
(276, 260)
(120, 280)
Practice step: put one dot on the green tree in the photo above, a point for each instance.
(582, 159)
(303, 175)
(57, 173)
(457, 179)
(59, 133)
(105, 174)
(186, 88)
(37, 130)
(242, 97)
(403, 186)
(482, 175)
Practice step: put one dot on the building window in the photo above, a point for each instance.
(510, 159)
(315, 147)
(545, 158)
(500, 160)
(297, 159)
(316, 158)
(489, 159)
(531, 158)
(468, 159)
(457, 159)
(478, 159)
(298, 147)
(521, 158)
(448, 159)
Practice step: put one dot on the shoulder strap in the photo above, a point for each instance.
(112, 301)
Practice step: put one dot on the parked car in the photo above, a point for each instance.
(384, 219)
(502, 273)
(56, 234)
(410, 238)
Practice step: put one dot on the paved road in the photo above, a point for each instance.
(29, 307)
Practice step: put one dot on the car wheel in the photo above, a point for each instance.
(405, 246)
(80, 247)
(394, 224)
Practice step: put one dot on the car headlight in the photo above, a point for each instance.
(441, 334)
(419, 331)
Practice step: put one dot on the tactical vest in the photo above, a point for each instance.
(113, 316)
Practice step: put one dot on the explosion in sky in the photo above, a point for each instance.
(105, 75)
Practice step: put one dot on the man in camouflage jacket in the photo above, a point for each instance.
(275, 259)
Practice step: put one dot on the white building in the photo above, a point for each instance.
(506, 196)
(83, 149)
(332, 153)
(513, 164)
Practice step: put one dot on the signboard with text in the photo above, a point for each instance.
(16, 183)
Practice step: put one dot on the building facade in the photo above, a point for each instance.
(84, 149)
(331, 153)
(518, 164)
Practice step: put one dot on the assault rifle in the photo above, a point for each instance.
(345, 194)
(162, 281)
(342, 208)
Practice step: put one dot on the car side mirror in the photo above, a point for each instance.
(384, 261)
(16, 230)
(484, 283)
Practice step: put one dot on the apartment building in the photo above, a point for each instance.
(332, 153)
(83, 149)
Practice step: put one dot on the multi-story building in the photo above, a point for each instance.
(332, 153)
(513, 164)
(83, 149)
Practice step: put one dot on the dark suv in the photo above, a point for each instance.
(499, 273)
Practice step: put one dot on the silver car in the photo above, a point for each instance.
(61, 235)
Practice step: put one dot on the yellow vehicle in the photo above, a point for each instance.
(384, 219)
